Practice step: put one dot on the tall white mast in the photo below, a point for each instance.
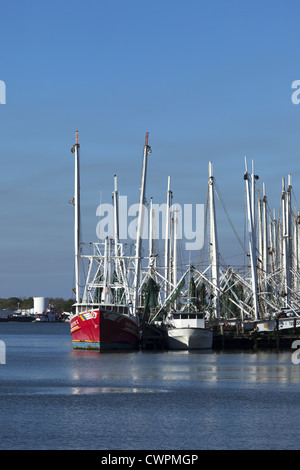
(289, 234)
(260, 230)
(214, 250)
(171, 247)
(253, 177)
(284, 242)
(275, 242)
(252, 243)
(151, 235)
(265, 238)
(76, 202)
(175, 254)
(295, 252)
(116, 215)
(175, 249)
(167, 236)
(104, 290)
(147, 150)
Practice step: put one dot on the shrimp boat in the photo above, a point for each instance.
(180, 319)
(186, 330)
(106, 313)
(173, 316)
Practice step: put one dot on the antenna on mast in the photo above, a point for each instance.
(147, 147)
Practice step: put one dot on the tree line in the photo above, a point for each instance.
(13, 303)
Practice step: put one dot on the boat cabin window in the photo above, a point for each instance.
(178, 316)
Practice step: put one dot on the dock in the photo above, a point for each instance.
(254, 340)
(154, 338)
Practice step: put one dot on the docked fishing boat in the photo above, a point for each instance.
(48, 316)
(21, 317)
(108, 327)
(106, 312)
(180, 318)
(186, 330)
(286, 320)
(173, 307)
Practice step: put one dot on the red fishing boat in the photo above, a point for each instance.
(106, 311)
(104, 329)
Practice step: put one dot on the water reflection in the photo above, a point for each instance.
(97, 390)
(211, 367)
(216, 400)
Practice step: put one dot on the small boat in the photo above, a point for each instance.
(20, 317)
(49, 315)
(186, 330)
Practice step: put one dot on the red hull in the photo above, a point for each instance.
(101, 329)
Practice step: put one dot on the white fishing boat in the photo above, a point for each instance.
(186, 330)
(173, 306)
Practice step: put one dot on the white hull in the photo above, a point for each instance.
(189, 338)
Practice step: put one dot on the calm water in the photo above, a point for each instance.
(54, 398)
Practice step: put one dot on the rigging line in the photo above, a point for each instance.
(232, 226)
(294, 196)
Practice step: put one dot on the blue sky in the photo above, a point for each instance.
(209, 80)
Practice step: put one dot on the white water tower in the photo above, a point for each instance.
(40, 304)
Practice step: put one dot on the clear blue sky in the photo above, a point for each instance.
(209, 80)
